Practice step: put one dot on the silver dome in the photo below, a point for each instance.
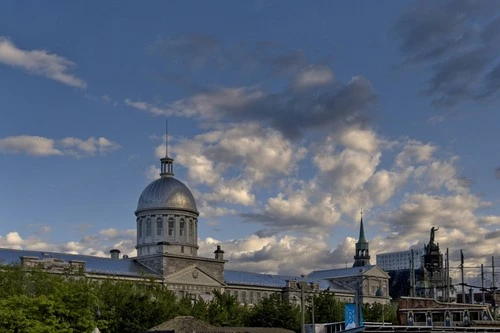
(167, 193)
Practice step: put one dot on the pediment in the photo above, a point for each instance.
(193, 275)
(376, 271)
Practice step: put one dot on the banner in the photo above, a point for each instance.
(350, 316)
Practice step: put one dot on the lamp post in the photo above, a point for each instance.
(359, 298)
(304, 286)
(97, 315)
(312, 310)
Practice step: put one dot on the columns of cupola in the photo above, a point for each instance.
(167, 167)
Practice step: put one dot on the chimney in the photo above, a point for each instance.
(115, 254)
(219, 254)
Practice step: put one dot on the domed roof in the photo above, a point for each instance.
(167, 193)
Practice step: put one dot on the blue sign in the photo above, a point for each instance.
(350, 316)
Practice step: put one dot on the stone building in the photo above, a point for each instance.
(167, 252)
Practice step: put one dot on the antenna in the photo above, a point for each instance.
(166, 137)
(167, 167)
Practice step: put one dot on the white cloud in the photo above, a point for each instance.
(39, 62)
(152, 173)
(41, 146)
(415, 152)
(383, 184)
(348, 169)
(31, 145)
(272, 255)
(312, 76)
(360, 139)
(306, 208)
(254, 152)
(13, 238)
(91, 146)
(97, 244)
(232, 191)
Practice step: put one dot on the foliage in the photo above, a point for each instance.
(224, 310)
(37, 301)
(327, 309)
(133, 307)
(377, 312)
(274, 312)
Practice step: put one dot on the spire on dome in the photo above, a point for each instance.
(167, 163)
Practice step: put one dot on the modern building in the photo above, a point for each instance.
(167, 252)
(393, 261)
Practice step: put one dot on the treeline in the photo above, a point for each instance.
(35, 301)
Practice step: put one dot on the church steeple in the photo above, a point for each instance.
(362, 256)
(167, 163)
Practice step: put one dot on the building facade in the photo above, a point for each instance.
(167, 252)
(393, 261)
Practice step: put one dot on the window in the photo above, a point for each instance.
(159, 227)
(182, 225)
(148, 227)
(191, 231)
(139, 227)
(182, 249)
(170, 226)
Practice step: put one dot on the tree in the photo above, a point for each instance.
(327, 308)
(274, 312)
(373, 312)
(224, 310)
(134, 306)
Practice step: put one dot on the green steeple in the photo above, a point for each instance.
(361, 238)
(362, 256)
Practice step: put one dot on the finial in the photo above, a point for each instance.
(361, 212)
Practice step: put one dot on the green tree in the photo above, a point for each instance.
(224, 310)
(37, 301)
(327, 308)
(274, 312)
(377, 312)
(131, 306)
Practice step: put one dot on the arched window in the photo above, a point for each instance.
(170, 226)
(182, 226)
(191, 231)
(159, 226)
(139, 227)
(148, 227)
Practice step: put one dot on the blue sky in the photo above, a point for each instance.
(285, 118)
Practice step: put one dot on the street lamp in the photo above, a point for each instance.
(359, 297)
(97, 315)
(303, 286)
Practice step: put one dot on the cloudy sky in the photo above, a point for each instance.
(285, 118)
